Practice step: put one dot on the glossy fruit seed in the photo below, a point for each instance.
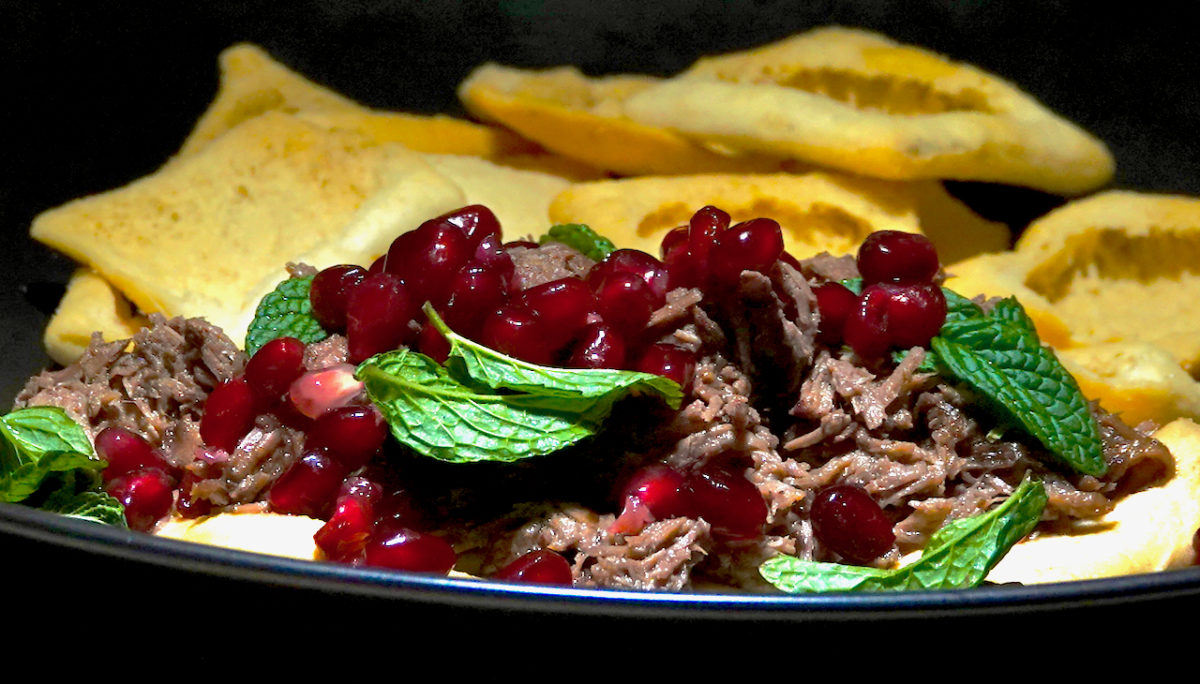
(634, 262)
(660, 489)
(599, 346)
(562, 306)
(432, 343)
(540, 566)
(377, 316)
(147, 496)
(309, 486)
(728, 501)
(315, 392)
(229, 414)
(514, 330)
(352, 434)
(849, 522)
(868, 327)
(896, 256)
(274, 367)
(753, 245)
(475, 221)
(474, 290)
(625, 302)
(835, 304)
(917, 312)
(427, 258)
(668, 361)
(408, 549)
(127, 451)
(704, 227)
(330, 291)
(344, 536)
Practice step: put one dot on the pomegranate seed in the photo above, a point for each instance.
(427, 258)
(229, 414)
(406, 549)
(674, 238)
(345, 535)
(474, 290)
(668, 361)
(540, 566)
(835, 303)
(661, 489)
(316, 392)
(127, 451)
(514, 330)
(432, 343)
(330, 291)
(634, 262)
(147, 496)
(352, 434)
(753, 245)
(377, 316)
(598, 346)
(625, 302)
(309, 486)
(847, 520)
(206, 465)
(475, 221)
(916, 312)
(896, 256)
(377, 266)
(868, 329)
(490, 254)
(562, 306)
(728, 501)
(703, 230)
(274, 367)
(683, 269)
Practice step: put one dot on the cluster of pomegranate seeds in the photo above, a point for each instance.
(718, 492)
(709, 252)
(848, 521)
(137, 475)
(901, 305)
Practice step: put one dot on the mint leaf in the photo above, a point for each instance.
(285, 312)
(86, 502)
(1000, 357)
(582, 238)
(37, 442)
(440, 416)
(489, 368)
(960, 555)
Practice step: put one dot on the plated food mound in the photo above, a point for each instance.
(569, 412)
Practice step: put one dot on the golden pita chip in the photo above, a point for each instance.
(89, 305)
(519, 198)
(252, 83)
(1136, 380)
(857, 101)
(957, 231)
(582, 118)
(819, 212)
(1148, 531)
(1121, 266)
(273, 534)
(204, 235)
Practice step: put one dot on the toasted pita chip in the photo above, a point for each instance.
(1144, 532)
(202, 236)
(857, 101)
(582, 118)
(519, 198)
(953, 227)
(1137, 380)
(818, 211)
(90, 304)
(273, 534)
(1121, 266)
(252, 83)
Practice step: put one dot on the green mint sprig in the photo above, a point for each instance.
(285, 312)
(582, 238)
(960, 555)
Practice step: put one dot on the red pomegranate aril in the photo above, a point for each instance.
(330, 291)
(868, 328)
(916, 312)
(432, 343)
(661, 489)
(514, 330)
(344, 536)
(562, 306)
(598, 346)
(408, 549)
(849, 522)
(637, 263)
(728, 501)
(127, 451)
(625, 302)
(668, 361)
(475, 221)
(540, 566)
(492, 255)
(753, 245)
(352, 434)
(147, 496)
(683, 269)
(229, 414)
(673, 239)
(896, 256)
(835, 304)
(274, 367)
(429, 259)
(474, 290)
(206, 465)
(308, 487)
(703, 230)
(316, 392)
(377, 316)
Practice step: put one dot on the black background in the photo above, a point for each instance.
(98, 94)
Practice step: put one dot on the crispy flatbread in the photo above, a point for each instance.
(273, 534)
(90, 304)
(858, 101)
(520, 198)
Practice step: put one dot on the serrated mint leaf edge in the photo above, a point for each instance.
(299, 323)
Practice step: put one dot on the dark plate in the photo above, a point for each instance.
(105, 94)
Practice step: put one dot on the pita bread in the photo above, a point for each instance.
(90, 304)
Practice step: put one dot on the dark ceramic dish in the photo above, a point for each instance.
(103, 96)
